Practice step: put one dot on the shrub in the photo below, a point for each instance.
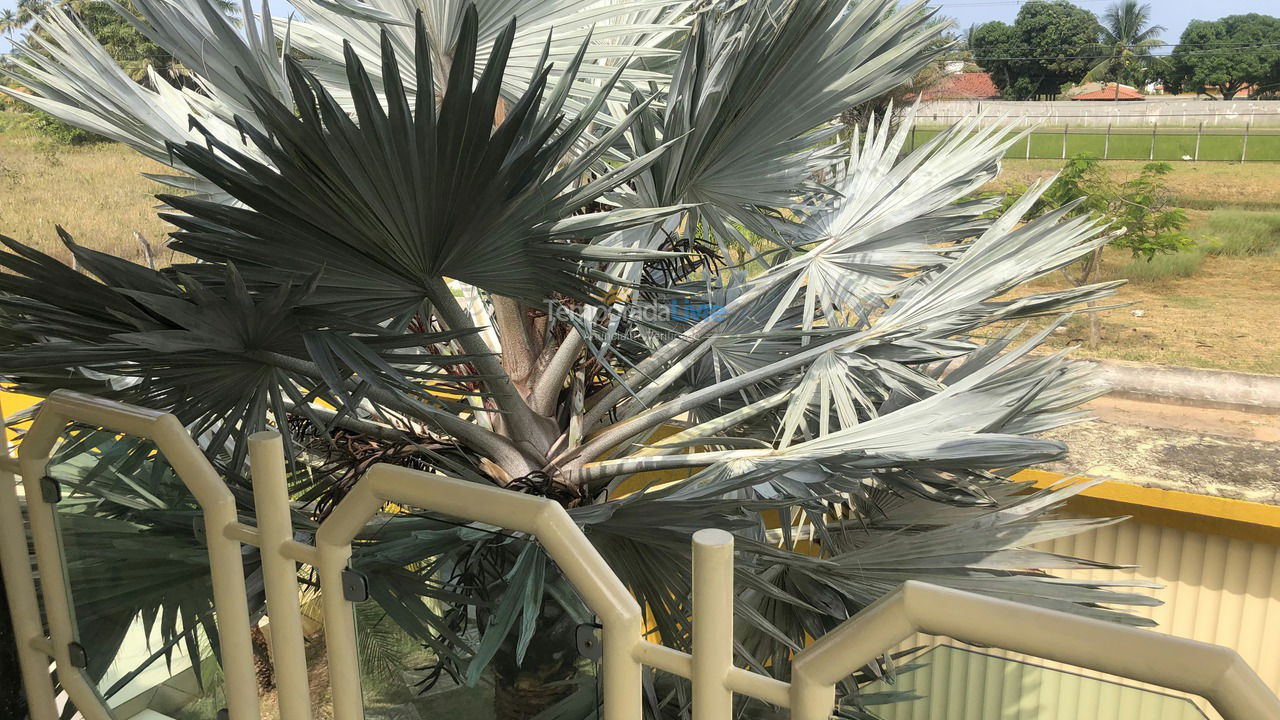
(1183, 263)
(59, 131)
(1240, 232)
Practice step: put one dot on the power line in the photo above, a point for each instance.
(1211, 45)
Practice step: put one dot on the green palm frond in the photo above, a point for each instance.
(1126, 43)
(625, 34)
(389, 205)
(224, 359)
(749, 97)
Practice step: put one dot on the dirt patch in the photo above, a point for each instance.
(1223, 317)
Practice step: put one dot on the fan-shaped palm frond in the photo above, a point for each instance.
(749, 98)
(225, 360)
(624, 32)
(209, 43)
(73, 78)
(405, 196)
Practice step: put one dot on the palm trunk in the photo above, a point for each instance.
(262, 659)
(547, 673)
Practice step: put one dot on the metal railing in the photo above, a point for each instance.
(1215, 673)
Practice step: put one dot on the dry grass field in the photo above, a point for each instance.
(1225, 316)
(1214, 307)
(1198, 186)
(96, 192)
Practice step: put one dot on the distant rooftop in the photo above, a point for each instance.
(1105, 91)
(962, 86)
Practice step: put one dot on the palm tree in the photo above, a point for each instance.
(9, 22)
(29, 10)
(542, 303)
(1124, 50)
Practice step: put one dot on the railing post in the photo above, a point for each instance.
(1152, 154)
(1199, 133)
(1065, 129)
(712, 624)
(24, 608)
(280, 575)
(1244, 149)
(1106, 143)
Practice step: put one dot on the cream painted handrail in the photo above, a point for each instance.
(226, 567)
(1215, 673)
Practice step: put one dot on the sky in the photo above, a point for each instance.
(1172, 14)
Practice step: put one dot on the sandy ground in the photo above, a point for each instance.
(1226, 453)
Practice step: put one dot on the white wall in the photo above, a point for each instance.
(1171, 113)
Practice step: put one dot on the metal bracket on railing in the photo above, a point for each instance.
(50, 490)
(78, 655)
(355, 586)
(587, 638)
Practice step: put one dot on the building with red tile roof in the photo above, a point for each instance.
(962, 86)
(1110, 91)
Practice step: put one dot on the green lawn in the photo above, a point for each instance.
(1226, 144)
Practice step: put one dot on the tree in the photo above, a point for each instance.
(29, 10)
(132, 50)
(117, 28)
(1146, 221)
(995, 47)
(9, 22)
(427, 248)
(1227, 55)
(114, 25)
(1124, 53)
(1045, 48)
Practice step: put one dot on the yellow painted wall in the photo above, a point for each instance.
(958, 684)
(12, 402)
(1218, 560)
